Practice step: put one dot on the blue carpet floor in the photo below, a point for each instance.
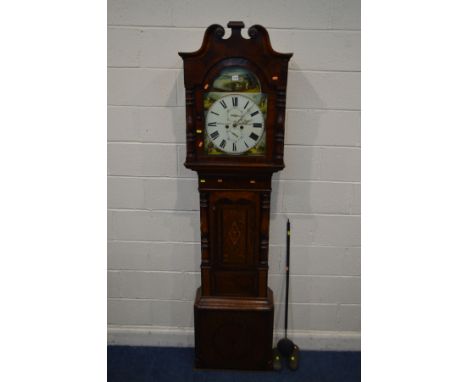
(157, 364)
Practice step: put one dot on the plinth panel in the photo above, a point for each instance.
(233, 333)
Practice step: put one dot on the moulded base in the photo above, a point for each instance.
(233, 333)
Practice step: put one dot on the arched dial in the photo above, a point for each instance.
(234, 124)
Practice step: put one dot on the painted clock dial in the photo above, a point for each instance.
(234, 124)
(234, 99)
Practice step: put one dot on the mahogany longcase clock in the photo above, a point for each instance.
(235, 91)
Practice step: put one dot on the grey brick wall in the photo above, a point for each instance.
(153, 253)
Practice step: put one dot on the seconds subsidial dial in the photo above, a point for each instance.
(234, 124)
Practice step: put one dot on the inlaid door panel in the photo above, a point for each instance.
(234, 227)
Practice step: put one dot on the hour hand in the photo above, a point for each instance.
(218, 123)
(245, 122)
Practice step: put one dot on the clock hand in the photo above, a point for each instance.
(242, 116)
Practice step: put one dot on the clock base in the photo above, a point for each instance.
(233, 333)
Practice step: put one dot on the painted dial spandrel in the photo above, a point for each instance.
(234, 124)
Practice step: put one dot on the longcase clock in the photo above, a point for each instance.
(235, 91)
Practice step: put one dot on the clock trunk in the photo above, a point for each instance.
(234, 302)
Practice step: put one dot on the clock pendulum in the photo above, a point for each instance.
(235, 97)
(285, 346)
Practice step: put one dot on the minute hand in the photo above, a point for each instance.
(243, 115)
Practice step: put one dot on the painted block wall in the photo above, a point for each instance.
(153, 218)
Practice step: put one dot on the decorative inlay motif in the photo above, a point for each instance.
(234, 219)
(234, 233)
